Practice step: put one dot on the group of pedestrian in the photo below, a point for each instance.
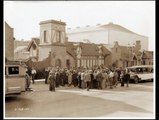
(87, 78)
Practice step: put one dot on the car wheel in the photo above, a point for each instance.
(136, 80)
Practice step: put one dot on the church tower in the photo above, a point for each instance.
(53, 41)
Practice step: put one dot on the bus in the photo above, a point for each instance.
(15, 82)
(140, 73)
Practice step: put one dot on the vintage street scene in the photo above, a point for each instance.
(68, 59)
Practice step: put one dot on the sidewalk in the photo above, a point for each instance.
(38, 80)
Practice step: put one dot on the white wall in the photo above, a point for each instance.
(92, 36)
(44, 52)
(45, 27)
(124, 38)
(22, 54)
(33, 53)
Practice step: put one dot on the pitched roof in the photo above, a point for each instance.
(124, 52)
(20, 48)
(34, 40)
(37, 40)
(125, 55)
(108, 47)
(88, 49)
(70, 49)
(116, 27)
(147, 55)
(110, 26)
(6, 24)
(105, 51)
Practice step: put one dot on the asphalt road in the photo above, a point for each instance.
(133, 101)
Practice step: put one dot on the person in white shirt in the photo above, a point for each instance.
(33, 73)
(111, 77)
(82, 80)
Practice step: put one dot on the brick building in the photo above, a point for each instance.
(9, 42)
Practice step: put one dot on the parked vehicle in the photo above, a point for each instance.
(142, 72)
(14, 78)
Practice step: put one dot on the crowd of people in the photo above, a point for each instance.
(98, 78)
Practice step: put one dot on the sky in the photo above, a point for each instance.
(25, 16)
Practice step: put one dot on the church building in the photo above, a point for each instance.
(54, 44)
(53, 41)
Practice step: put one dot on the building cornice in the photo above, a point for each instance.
(52, 21)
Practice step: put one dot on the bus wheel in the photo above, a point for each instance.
(136, 80)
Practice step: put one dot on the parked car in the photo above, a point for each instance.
(142, 72)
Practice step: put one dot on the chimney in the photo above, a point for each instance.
(116, 43)
(138, 45)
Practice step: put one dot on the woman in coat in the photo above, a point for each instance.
(52, 81)
(69, 78)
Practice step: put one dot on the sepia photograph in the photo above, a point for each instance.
(79, 60)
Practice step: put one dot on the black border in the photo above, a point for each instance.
(2, 37)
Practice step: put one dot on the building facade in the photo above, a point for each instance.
(124, 56)
(54, 44)
(53, 41)
(107, 34)
(147, 57)
(89, 54)
(9, 42)
(33, 49)
(21, 53)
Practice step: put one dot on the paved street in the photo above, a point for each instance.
(136, 101)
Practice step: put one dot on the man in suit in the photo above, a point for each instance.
(52, 81)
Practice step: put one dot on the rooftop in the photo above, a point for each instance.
(109, 26)
(19, 48)
(52, 21)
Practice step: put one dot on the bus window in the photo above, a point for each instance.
(13, 70)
